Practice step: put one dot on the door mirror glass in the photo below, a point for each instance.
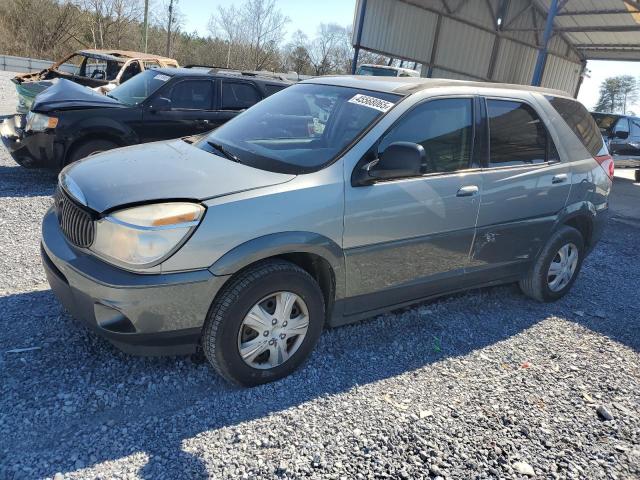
(398, 160)
(160, 104)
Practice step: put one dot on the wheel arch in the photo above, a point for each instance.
(318, 255)
(580, 216)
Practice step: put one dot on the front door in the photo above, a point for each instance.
(410, 238)
(192, 111)
(525, 186)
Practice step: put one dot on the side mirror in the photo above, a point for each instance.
(398, 160)
(621, 134)
(160, 104)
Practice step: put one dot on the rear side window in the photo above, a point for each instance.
(635, 127)
(192, 95)
(443, 127)
(238, 96)
(581, 122)
(516, 134)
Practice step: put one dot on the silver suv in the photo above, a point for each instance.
(331, 201)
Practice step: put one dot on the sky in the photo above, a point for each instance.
(306, 16)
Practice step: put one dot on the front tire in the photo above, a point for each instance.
(264, 324)
(557, 266)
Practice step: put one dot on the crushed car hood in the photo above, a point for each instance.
(173, 170)
(67, 95)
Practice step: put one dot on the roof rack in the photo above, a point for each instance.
(234, 71)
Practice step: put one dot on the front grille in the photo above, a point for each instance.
(75, 221)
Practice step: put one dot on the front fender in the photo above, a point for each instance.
(282, 243)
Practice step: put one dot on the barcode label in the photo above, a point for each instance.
(371, 102)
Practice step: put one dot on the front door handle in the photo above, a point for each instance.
(560, 178)
(467, 191)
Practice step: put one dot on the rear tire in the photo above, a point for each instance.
(540, 283)
(227, 339)
(88, 148)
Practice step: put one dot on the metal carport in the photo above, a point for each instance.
(539, 42)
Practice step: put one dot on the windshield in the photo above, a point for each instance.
(376, 71)
(90, 67)
(138, 88)
(299, 129)
(605, 120)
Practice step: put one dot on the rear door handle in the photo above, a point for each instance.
(467, 191)
(560, 178)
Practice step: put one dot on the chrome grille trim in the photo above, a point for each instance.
(76, 222)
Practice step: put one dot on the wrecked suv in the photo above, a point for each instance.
(330, 201)
(100, 69)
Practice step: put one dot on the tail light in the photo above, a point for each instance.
(606, 162)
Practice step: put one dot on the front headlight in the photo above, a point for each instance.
(37, 122)
(146, 234)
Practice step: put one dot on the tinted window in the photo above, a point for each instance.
(377, 72)
(516, 134)
(635, 127)
(443, 127)
(271, 89)
(580, 121)
(238, 96)
(192, 95)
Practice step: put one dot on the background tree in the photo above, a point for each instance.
(617, 94)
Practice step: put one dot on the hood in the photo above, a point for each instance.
(67, 95)
(173, 170)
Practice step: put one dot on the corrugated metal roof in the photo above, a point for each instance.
(499, 40)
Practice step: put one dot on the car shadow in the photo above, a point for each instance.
(18, 181)
(97, 397)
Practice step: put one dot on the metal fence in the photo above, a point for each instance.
(25, 65)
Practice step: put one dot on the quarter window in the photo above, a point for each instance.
(192, 95)
(581, 122)
(443, 127)
(516, 134)
(238, 96)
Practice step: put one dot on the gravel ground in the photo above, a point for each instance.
(486, 384)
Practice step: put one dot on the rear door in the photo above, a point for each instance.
(410, 238)
(525, 185)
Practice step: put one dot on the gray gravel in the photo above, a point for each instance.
(486, 384)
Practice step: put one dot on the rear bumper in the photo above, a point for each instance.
(626, 162)
(30, 149)
(142, 314)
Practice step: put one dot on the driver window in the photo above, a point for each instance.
(443, 127)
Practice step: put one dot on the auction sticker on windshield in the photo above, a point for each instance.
(162, 77)
(371, 102)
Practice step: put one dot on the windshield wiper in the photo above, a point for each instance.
(224, 151)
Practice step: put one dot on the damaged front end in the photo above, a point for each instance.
(29, 86)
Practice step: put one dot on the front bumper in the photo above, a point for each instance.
(142, 314)
(30, 149)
